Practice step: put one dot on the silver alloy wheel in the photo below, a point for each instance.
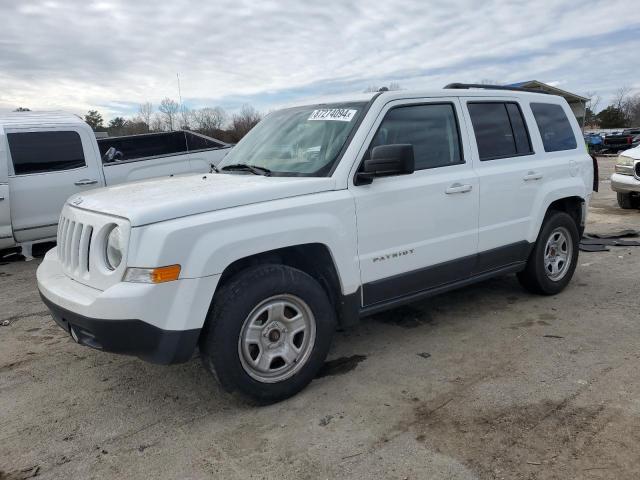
(558, 254)
(277, 338)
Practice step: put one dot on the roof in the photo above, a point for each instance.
(537, 85)
(38, 118)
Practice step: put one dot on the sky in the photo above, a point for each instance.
(112, 55)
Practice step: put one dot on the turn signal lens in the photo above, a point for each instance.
(152, 275)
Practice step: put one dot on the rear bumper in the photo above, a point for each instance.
(129, 337)
(624, 183)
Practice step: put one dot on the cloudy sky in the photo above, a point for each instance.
(115, 54)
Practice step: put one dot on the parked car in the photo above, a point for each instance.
(47, 157)
(621, 141)
(626, 179)
(594, 142)
(323, 214)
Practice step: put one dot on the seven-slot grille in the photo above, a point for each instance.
(74, 242)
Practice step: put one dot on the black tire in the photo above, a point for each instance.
(233, 305)
(625, 200)
(535, 277)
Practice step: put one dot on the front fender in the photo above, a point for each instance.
(206, 244)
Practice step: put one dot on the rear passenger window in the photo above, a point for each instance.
(431, 129)
(500, 130)
(554, 126)
(40, 152)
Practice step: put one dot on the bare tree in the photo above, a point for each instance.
(169, 108)
(209, 120)
(621, 97)
(185, 118)
(157, 123)
(375, 88)
(145, 110)
(243, 121)
(594, 100)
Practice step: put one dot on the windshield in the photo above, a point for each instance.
(301, 141)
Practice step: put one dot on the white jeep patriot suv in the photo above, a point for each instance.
(322, 214)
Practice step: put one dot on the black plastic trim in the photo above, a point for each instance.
(466, 86)
(417, 280)
(434, 277)
(128, 337)
(414, 297)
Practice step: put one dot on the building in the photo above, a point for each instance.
(577, 103)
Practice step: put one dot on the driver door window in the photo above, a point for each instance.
(432, 130)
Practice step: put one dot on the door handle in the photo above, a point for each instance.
(86, 181)
(1, 198)
(532, 176)
(458, 188)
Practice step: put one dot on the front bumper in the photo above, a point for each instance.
(624, 183)
(158, 323)
(129, 337)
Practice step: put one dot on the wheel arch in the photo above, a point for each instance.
(316, 260)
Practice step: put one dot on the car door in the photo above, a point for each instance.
(511, 174)
(46, 167)
(418, 231)
(6, 234)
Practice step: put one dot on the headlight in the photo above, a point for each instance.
(115, 248)
(624, 161)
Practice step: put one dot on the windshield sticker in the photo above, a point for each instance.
(339, 114)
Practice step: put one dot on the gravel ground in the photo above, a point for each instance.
(485, 382)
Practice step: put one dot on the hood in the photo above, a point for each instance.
(632, 153)
(166, 198)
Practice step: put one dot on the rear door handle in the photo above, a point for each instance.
(86, 181)
(1, 198)
(532, 176)
(458, 188)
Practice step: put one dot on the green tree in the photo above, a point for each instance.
(94, 119)
(116, 126)
(612, 117)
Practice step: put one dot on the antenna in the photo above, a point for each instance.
(179, 91)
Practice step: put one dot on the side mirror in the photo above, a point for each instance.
(386, 160)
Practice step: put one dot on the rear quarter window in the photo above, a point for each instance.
(555, 128)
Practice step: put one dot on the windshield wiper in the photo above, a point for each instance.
(248, 168)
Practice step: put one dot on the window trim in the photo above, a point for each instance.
(524, 120)
(11, 171)
(462, 161)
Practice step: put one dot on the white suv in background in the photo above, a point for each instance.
(322, 214)
(626, 179)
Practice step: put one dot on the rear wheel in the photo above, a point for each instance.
(554, 257)
(268, 333)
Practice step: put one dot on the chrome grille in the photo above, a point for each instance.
(74, 239)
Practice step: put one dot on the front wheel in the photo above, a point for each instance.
(554, 257)
(626, 200)
(268, 333)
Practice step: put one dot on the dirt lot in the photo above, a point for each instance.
(486, 382)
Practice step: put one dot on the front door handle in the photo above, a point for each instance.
(458, 188)
(86, 181)
(532, 176)
(1, 198)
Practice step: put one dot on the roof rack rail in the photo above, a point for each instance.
(462, 86)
